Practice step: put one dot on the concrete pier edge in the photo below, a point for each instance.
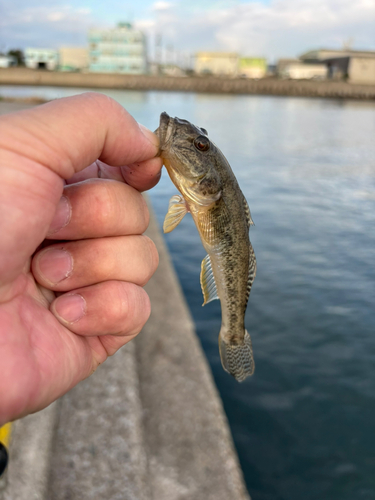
(148, 425)
(265, 86)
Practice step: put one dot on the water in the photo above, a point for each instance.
(304, 424)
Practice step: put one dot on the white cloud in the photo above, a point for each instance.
(161, 6)
(55, 16)
(44, 26)
(275, 29)
(280, 28)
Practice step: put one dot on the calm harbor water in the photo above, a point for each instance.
(304, 424)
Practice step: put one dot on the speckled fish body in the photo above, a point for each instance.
(210, 192)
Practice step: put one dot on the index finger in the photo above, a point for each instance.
(67, 135)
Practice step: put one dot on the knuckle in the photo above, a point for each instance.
(104, 202)
(117, 303)
(151, 258)
(135, 310)
(145, 213)
(100, 100)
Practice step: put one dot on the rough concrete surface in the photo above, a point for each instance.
(98, 449)
(30, 454)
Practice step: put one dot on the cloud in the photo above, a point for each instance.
(44, 25)
(158, 6)
(275, 29)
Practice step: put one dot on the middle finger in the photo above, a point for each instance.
(99, 207)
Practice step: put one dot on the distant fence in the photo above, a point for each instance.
(267, 86)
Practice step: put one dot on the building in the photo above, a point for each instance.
(282, 64)
(355, 66)
(362, 70)
(252, 67)
(117, 50)
(216, 63)
(73, 59)
(7, 61)
(41, 58)
(302, 71)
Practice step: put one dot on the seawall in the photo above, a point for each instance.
(148, 425)
(267, 86)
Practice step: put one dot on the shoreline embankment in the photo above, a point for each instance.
(266, 86)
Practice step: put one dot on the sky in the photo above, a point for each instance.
(258, 28)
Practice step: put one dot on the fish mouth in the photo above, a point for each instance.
(164, 131)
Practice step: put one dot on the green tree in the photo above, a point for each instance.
(18, 54)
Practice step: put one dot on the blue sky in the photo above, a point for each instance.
(269, 28)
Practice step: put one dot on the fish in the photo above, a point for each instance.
(210, 192)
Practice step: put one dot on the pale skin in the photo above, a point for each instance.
(73, 257)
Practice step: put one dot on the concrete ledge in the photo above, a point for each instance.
(30, 454)
(266, 86)
(98, 449)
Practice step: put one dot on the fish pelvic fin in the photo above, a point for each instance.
(237, 358)
(208, 283)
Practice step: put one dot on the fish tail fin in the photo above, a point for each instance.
(237, 358)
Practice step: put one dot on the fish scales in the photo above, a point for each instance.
(210, 192)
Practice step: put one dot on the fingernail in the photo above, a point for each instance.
(62, 215)
(55, 265)
(149, 135)
(70, 308)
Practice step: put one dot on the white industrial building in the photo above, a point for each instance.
(41, 58)
(301, 71)
(355, 66)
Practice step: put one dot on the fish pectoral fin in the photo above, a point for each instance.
(208, 283)
(212, 223)
(176, 212)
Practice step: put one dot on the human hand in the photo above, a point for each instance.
(72, 258)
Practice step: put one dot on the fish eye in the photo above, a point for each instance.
(202, 143)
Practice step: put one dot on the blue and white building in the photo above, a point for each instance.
(41, 58)
(117, 50)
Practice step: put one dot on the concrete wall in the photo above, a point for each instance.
(21, 76)
(73, 58)
(362, 70)
(299, 71)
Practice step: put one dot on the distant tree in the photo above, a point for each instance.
(18, 54)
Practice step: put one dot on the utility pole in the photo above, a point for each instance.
(158, 42)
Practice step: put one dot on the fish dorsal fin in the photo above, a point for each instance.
(249, 220)
(252, 270)
(208, 281)
(176, 212)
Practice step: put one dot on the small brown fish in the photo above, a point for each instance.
(211, 194)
